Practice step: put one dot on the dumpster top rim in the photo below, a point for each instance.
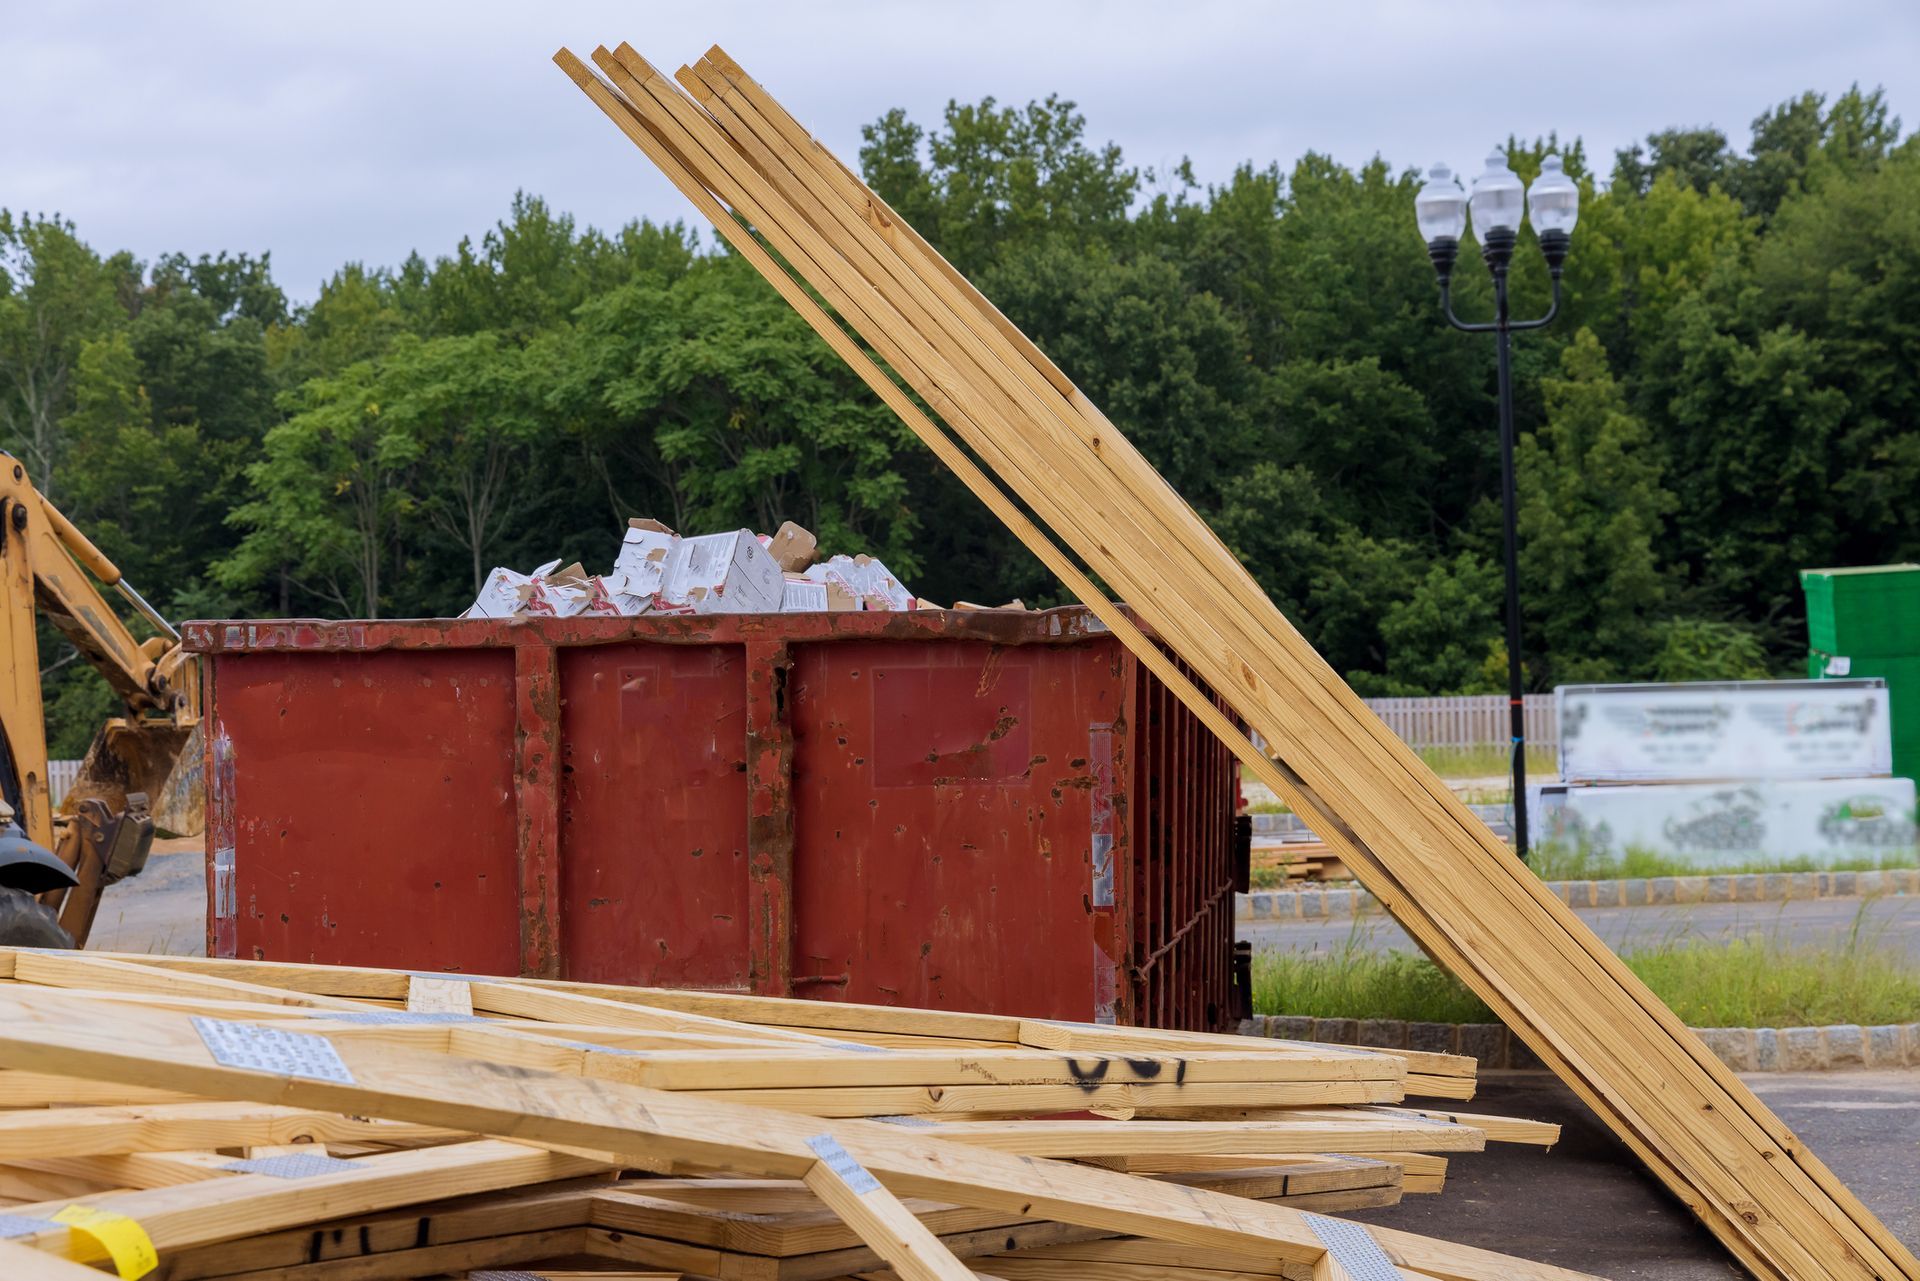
(1063, 625)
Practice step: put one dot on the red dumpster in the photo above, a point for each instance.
(991, 810)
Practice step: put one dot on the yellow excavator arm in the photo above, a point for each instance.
(141, 764)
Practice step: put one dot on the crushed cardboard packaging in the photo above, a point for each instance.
(866, 580)
(791, 547)
(736, 572)
(723, 574)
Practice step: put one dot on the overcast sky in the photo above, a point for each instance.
(347, 130)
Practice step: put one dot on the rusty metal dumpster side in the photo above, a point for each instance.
(996, 811)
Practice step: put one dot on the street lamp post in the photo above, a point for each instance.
(1498, 206)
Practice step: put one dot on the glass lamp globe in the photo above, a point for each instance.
(1499, 201)
(1554, 199)
(1441, 206)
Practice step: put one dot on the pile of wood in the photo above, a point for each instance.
(1297, 861)
(899, 310)
(250, 1120)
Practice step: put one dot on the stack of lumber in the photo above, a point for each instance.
(900, 311)
(1299, 861)
(237, 1119)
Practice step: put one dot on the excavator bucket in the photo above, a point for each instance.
(162, 760)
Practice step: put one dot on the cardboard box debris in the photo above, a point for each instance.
(803, 596)
(864, 579)
(727, 573)
(642, 562)
(504, 594)
(737, 572)
(792, 548)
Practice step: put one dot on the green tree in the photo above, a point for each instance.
(1592, 511)
(334, 497)
(1706, 649)
(1439, 638)
(55, 294)
(998, 177)
(702, 398)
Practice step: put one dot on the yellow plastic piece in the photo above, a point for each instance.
(124, 1240)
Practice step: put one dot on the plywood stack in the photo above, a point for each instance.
(898, 309)
(251, 1120)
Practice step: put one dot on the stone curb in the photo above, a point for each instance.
(1744, 1049)
(1311, 902)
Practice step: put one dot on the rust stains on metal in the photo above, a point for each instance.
(770, 830)
(867, 793)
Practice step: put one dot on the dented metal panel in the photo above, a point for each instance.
(965, 810)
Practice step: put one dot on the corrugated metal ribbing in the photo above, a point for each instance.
(1185, 789)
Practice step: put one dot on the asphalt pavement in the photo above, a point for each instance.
(1822, 922)
(1586, 1204)
(163, 910)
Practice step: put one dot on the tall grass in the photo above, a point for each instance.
(1579, 861)
(1484, 760)
(1757, 981)
(1487, 760)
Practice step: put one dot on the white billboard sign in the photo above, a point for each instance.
(1734, 730)
(1724, 823)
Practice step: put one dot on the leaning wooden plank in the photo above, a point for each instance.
(1804, 1199)
(1201, 709)
(1787, 1187)
(889, 1229)
(39, 1031)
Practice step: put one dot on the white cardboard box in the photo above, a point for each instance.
(791, 547)
(723, 574)
(642, 562)
(866, 579)
(804, 596)
(503, 595)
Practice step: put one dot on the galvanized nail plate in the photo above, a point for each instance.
(294, 1165)
(268, 1049)
(841, 1162)
(1353, 1248)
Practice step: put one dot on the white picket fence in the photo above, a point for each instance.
(60, 776)
(1466, 720)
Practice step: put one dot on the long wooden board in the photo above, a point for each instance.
(48, 1032)
(743, 160)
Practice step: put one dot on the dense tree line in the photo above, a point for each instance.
(1731, 394)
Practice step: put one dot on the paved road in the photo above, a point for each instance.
(1894, 921)
(163, 910)
(1586, 1204)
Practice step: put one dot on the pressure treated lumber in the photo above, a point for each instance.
(159, 1161)
(1436, 867)
(1112, 573)
(40, 1031)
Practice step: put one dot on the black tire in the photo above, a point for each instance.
(26, 922)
